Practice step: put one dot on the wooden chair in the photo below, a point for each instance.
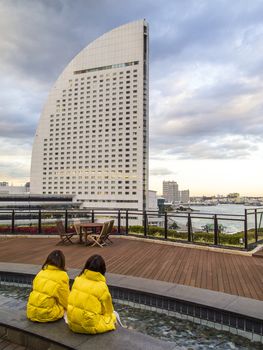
(110, 227)
(65, 237)
(98, 239)
(76, 224)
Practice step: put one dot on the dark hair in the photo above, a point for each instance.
(55, 258)
(95, 263)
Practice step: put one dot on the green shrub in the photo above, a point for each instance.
(206, 237)
(201, 237)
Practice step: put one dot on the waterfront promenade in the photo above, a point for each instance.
(236, 273)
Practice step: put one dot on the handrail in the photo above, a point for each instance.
(39, 218)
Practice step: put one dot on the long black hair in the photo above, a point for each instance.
(55, 258)
(95, 263)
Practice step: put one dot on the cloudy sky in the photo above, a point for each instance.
(206, 83)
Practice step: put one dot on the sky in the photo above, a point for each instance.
(206, 86)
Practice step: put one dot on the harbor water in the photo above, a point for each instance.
(231, 223)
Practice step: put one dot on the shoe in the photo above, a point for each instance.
(118, 319)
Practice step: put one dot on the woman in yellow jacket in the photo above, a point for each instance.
(90, 308)
(48, 300)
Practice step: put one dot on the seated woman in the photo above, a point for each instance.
(49, 298)
(90, 308)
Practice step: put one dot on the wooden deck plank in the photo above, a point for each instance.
(198, 278)
(164, 264)
(192, 260)
(220, 274)
(203, 269)
(250, 276)
(209, 272)
(239, 279)
(180, 266)
(246, 277)
(175, 265)
(219, 271)
(231, 283)
(214, 275)
(167, 264)
(257, 274)
(151, 263)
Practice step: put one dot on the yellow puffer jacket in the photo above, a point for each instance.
(48, 300)
(90, 308)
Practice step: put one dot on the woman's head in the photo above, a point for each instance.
(55, 258)
(95, 263)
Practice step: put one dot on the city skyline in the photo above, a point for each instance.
(205, 85)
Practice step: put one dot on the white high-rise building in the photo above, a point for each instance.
(171, 191)
(185, 196)
(92, 137)
(5, 189)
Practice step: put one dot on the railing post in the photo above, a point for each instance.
(256, 225)
(13, 222)
(215, 230)
(119, 221)
(145, 223)
(39, 222)
(189, 227)
(127, 222)
(66, 220)
(245, 230)
(165, 225)
(92, 215)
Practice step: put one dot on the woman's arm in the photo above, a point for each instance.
(63, 292)
(107, 302)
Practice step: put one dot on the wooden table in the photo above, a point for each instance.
(86, 226)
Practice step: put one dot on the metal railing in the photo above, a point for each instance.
(192, 227)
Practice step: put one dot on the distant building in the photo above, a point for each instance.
(233, 195)
(154, 219)
(31, 201)
(161, 206)
(171, 191)
(185, 196)
(6, 189)
(152, 200)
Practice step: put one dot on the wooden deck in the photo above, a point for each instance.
(229, 273)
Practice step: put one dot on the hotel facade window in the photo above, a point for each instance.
(99, 106)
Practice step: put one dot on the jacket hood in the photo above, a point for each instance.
(51, 267)
(94, 276)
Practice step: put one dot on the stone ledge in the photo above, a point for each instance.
(258, 252)
(14, 326)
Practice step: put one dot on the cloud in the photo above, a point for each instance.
(14, 171)
(206, 70)
(10, 149)
(161, 172)
(217, 149)
(14, 163)
(20, 103)
(16, 130)
(15, 157)
(193, 111)
(227, 147)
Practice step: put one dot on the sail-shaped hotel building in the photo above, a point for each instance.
(92, 138)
